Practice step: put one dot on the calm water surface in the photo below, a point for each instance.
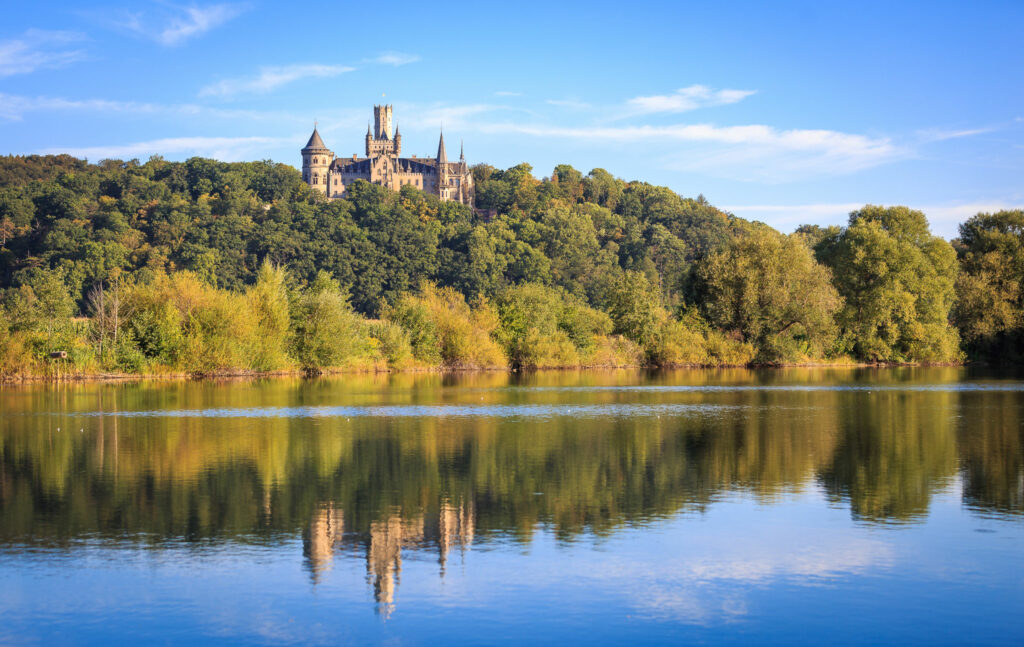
(804, 505)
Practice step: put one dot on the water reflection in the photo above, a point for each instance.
(490, 458)
(449, 527)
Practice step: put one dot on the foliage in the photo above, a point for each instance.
(326, 330)
(443, 329)
(580, 269)
(547, 327)
(989, 309)
(768, 290)
(268, 302)
(897, 282)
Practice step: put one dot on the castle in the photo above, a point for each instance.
(382, 165)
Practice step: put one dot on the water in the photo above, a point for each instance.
(730, 506)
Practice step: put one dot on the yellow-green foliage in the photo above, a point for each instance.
(543, 327)
(327, 333)
(636, 309)
(391, 341)
(726, 351)
(443, 329)
(767, 289)
(612, 351)
(182, 323)
(268, 301)
(677, 344)
(15, 358)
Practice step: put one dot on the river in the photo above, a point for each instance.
(847, 506)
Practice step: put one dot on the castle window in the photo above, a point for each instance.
(316, 179)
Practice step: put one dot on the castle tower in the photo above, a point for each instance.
(382, 122)
(398, 141)
(316, 162)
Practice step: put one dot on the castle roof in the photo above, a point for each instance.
(442, 156)
(315, 141)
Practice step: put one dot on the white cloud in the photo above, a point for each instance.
(760, 151)
(227, 149)
(943, 135)
(571, 104)
(271, 78)
(180, 23)
(38, 49)
(394, 58)
(196, 21)
(15, 107)
(788, 217)
(943, 218)
(686, 99)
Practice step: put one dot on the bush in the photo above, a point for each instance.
(392, 342)
(547, 327)
(327, 333)
(443, 329)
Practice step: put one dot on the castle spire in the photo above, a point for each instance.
(314, 141)
(442, 156)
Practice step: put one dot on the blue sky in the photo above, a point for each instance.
(781, 112)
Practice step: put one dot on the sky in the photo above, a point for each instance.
(787, 112)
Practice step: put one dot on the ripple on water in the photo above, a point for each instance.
(434, 411)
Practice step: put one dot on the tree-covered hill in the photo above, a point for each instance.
(679, 278)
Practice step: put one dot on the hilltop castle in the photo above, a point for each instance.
(382, 165)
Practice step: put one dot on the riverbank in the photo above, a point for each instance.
(241, 374)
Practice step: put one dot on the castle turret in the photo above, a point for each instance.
(398, 141)
(382, 122)
(316, 162)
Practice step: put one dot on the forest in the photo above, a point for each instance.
(204, 267)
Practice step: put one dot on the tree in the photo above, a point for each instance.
(768, 288)
(897, 282)
(325, 328)
(268, 300)
(989, 311)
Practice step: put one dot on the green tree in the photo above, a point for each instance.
(768, 289)
(989, 311)
(897, 282)
(326, 330)
(268, 301)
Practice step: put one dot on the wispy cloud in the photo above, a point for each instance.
(15, 107)
(686, 99)
(776, 152)
(943, 218)
(394, 58)
(271, 78)
(179, 24)
(940, 135)
(222, 148)
(39, 49)
(572, 104)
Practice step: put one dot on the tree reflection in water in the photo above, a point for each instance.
(273, 460)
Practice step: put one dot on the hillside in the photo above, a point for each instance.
(683, 281)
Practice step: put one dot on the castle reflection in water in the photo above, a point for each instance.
(448, 528)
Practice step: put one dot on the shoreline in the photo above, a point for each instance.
(301, 373)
